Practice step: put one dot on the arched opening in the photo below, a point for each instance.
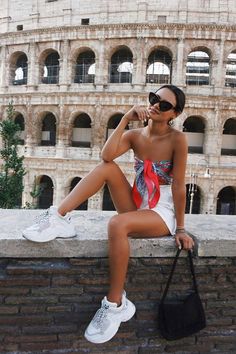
(194, 129)
(45, 199)
(113, 123)
(121, 66)
(230, 77)
(198, 68)
(19, 119)
(85, 67)
(49, 130)
(84, 205)
(159, 67)
(20, 70)
(107, 203)
(226, 201)
(81, 136)
(229, 138)
(51, 69)
(193, 199)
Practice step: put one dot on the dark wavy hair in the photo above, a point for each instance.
(179, 95)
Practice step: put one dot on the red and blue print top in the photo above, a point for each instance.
(149, 176)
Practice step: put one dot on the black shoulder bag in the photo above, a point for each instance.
(181, 317)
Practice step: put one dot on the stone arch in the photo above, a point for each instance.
(48, 129)
(194, 128)
(18, 64)
(49, 66)
(230, 75)
(229, 137)
(198, 66)
(107, 203)
(73, 183)
(84, 66)
(81, 131)
(77, 50)
(46, 188)
(159, 66)
(226, 201)
(121, 65)
(20, 120)
(113, 122)
(193, 198)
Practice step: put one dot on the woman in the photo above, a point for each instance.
(153, 207)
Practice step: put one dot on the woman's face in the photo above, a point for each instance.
(154, 110)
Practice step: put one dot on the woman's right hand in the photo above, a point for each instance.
(137, 113)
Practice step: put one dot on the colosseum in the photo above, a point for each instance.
(72, 71)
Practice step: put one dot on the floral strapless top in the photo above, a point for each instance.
(149, 176)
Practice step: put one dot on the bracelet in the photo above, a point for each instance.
(180, 231)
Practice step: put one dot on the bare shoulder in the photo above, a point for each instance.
(134, 133)
(179, 137)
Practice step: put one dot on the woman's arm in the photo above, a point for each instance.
(120, 140)
(179, 189)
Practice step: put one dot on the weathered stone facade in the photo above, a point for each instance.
(55, 27)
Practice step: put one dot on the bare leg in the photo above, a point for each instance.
(105, 172)
(143, 222)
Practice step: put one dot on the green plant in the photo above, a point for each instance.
(12, 170)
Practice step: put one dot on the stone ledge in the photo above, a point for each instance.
(215, 236)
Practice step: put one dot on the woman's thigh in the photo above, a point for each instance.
(120, 189)
(140, 224)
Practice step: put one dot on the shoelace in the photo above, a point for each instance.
(42, 218)
(100, 316)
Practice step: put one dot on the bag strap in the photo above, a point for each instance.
(172, 272)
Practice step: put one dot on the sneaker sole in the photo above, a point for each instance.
(103, 340)
(46, 240)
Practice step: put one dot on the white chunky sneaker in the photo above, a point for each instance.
(107, 320)
(50, 225)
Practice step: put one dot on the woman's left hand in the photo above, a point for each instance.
(184, 241)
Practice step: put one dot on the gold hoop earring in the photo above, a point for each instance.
(171, 122)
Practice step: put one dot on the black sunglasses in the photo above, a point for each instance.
(164, 106)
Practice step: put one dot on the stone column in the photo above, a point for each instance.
(101, 66)
(139, 65)
(179, 67)
(59, 191)
(3, 66)
(219, 68)
(63, 74)
(213, 134)
(95, 202)
(29, 181)
(29, 127)
(98, 128)
(26, 198)
(207, 204)
(61, 132)
(33, 69)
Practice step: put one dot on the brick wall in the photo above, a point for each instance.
(45, 305)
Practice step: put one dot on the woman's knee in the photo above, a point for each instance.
(108, 167)
(116, 226)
